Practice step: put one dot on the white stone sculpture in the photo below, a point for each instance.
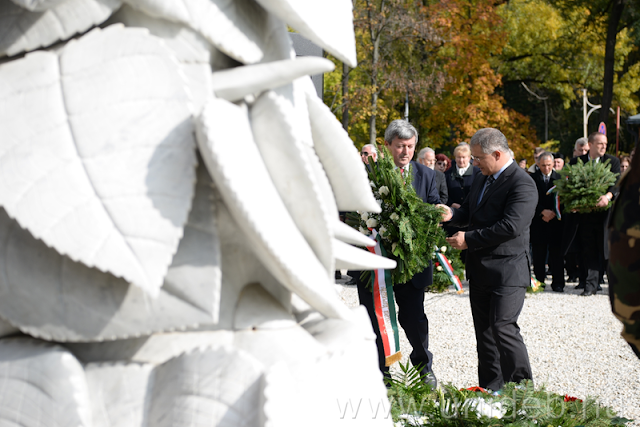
(169, 194)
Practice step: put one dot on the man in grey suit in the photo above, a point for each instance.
(498, 212)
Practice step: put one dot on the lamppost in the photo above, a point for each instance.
(585, 114)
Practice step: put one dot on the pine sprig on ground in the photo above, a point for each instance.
(517, 405)
(582, 184)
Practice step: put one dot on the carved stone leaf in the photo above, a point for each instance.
(236, 27)
(252, 198)
(7, 328)
(22, 30)
(281, 136)
(118, 393)
(327, 23)
(340, 159)
(348, 234)
(192, 51)
(97, 152)
(41, 385)
(352, 258)
(213, 387)
(37, 5)
(48, 295)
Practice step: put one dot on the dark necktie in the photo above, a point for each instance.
(488, 183)
(490, 180)
(546, 179)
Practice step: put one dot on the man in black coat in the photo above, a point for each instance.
(589, 228)
(498, 213)
(546, 228)
(401, 138)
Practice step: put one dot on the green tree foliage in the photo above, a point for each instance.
(436, 53)
(557, 48)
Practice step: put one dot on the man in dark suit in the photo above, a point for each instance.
(498, 212)
(401, 138)
(589, 228)
(546, 228)
(427, 157)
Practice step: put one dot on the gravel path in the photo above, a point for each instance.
(574, 345)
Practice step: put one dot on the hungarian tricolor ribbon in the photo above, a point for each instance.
(385, 306)
(556, 205)
(446, 265)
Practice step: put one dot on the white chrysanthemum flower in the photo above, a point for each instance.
(382, 231)
(384, 190)
(394, 216)
(439, 268)
(364, 231)
(443, 249)
(364, 216)
(372, 222)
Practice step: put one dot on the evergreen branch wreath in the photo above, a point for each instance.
(581, 185)
(408, 227)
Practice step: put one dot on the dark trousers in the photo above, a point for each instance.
(556, 264)
(502, 354)
(575, 264)
(411, 317)
(591, 235)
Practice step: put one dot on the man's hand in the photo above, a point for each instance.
(603, 201)
(457, 241)
(548, 215)
(447, 214)
(455, 205)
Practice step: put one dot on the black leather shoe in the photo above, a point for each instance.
(588, 293)
(351, 282)
(599, 288)
(430, 379)
(579, 286)
(557, 289)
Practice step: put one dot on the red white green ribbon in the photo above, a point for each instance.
(385, 306)
(446, 265)
(556, 205)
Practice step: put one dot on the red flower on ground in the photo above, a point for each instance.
(568, 398)
(437, 264)
(475, 389)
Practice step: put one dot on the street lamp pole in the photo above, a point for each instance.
(585, 114)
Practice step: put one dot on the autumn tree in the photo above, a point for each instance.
(558, 48)
(471, 33)
(395, 44)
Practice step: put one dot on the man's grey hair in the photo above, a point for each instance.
(401, 129)
(373, 147)
(580, 142)
(512, 154)
(424, 151)
(490, 140)
(545, 155)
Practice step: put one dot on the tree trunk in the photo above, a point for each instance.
(609, 57)
(345, 93)
(372, 119)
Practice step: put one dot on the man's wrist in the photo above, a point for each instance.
(609, 196)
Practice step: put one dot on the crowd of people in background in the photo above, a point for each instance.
(575, 245)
